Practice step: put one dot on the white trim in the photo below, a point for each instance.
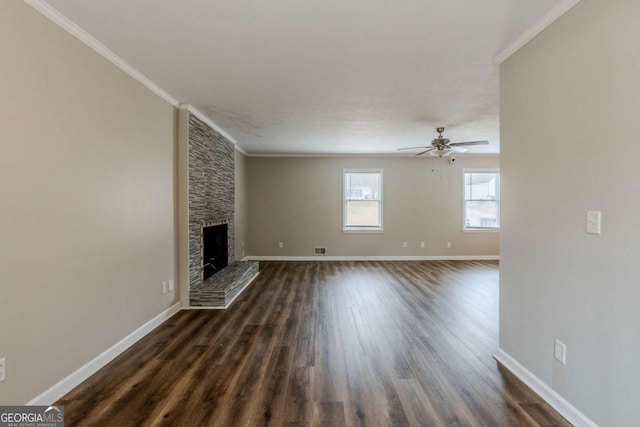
(357, 229)
(199, 114)
(75, 378)
(464, 200)
(548, 19)
(94, 44)
(76, 31)
(481, 170)
(79, 33)
(557, 402)
(366, 155)
(375, 258)
(234, 298)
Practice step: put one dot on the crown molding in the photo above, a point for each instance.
(360, 155)
(101, 49)
(241, 150)
(555, 13)
(76, 31)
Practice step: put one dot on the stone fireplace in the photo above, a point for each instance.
(215, 277)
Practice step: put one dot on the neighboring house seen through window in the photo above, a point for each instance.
(362, 209)
(481, 207)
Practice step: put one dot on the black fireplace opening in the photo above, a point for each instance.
(215, 253)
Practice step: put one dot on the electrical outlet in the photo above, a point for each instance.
(560, 352)
(171, 286)
(404, 244)
(165, 287)
(422, 244)
(448, 245)
(281, 245)
(3, 369)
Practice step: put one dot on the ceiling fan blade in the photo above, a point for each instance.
(459, 144)
(413, 148)
(430, 149)
(458, 149)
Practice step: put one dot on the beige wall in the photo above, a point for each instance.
(242, 202)
(570, 103)
(87, 209)
(299, 201)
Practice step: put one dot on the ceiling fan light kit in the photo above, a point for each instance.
(441, 153)
(442, 147)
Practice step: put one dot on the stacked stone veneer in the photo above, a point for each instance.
(211, 189)
(212, 200)
(223, 287)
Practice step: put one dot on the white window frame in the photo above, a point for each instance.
(353, 229)
(464, 201)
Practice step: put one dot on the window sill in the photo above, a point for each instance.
(480, 230)
(362, 230)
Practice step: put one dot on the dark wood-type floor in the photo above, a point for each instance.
(324, 343)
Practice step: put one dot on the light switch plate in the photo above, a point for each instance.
(594, 222)
(560, 352)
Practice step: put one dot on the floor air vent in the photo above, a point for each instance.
(320, 251)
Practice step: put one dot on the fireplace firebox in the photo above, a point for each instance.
(215, 247)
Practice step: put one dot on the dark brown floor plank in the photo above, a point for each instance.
(328, 414)
(416, 404)
(324, 343)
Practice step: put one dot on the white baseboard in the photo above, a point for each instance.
(375, 258)
(63, 387)
(232, 300)
(557, 402)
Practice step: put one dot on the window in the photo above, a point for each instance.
(362, 200)
(481, 210)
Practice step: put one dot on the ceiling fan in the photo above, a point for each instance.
(441, 147)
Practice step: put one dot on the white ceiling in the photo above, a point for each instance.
(330, 76)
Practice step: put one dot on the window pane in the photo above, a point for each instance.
(481, 186)
(362, 186)
(363, 199)
(362, 214)
(482, 214)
